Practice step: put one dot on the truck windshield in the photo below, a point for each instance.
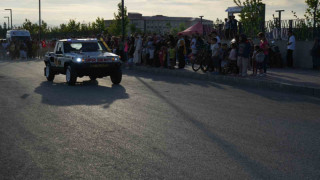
(20, 38)
(81, 46)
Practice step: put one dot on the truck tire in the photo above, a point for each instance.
(116, 76)
(49, 73)
(71, 75)
(93, 78)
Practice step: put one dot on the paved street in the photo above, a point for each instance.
(152, 127)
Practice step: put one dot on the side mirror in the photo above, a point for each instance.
(59, 52)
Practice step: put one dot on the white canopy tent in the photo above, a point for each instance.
(233, 10)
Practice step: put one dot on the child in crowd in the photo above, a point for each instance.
(162, 56)
(258, 58)
(171, 56)
(224, 58)
(215, 55)
(233, 59)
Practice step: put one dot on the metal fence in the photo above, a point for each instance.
(275, 30)
(302, 29)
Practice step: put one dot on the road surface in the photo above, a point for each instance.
(152, 127)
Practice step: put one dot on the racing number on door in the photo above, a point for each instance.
(57, 62)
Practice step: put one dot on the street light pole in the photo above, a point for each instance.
(39, 20)
(314, 18)
(8, 21)
(279, 25)
(10, 16)
(122, 12)
(202, 24)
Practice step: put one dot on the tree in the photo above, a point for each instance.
(99, 26)
(133, 28)
(116, 24)
(251, 15)
(3, 31)
(313, 12)
(217, 23)
(174, 31)
(182, 27)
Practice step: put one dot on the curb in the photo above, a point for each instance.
(235, 81)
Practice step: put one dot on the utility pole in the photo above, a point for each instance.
(10, 17)
(279, 19)
(39, 20)
(122, 12)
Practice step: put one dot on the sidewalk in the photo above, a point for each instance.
(306, 82)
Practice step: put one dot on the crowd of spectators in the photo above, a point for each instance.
(26, 49)
(167, 51)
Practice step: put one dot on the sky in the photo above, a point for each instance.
(55, 12)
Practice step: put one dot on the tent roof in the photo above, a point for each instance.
(235, 9)
(197, 28)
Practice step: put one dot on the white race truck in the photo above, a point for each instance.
(82, 57)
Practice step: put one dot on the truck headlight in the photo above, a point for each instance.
(79, 59)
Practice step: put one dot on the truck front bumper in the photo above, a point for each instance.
(97, 69)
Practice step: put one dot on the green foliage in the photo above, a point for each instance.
(312, 11)
(133, 28)
(182, 27)
(217, 22)
(250, 16)
(174, 31)
(3, 31)
(99, 25)
(168, 25)
(116, 24)
(70, 29)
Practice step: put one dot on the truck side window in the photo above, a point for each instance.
(59, 48)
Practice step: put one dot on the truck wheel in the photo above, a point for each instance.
(93, 78)
(116, 76)
(71, 76)
(49, 73)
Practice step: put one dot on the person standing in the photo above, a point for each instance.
(193, 45)
(215, 61)
(138, 49)
(315, 53)
(291, 47)
(234, 26)
(131, 51)
(264, 46)
(215, 35)
(181, 46)
(227, 28)
(244, 51)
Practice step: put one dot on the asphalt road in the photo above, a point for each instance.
(152, 127)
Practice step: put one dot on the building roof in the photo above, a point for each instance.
(162, 18)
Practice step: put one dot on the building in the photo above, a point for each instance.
(161, 24)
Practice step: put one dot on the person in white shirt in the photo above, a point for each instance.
(215, 35)
(291, 47)
(138, 50)
(193, 44)
(214, 47)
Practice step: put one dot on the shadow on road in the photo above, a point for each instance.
(172, 80)
(252, 167)
(84, 93)
(8, 60)
(271, 94)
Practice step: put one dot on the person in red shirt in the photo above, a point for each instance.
(264, 46)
